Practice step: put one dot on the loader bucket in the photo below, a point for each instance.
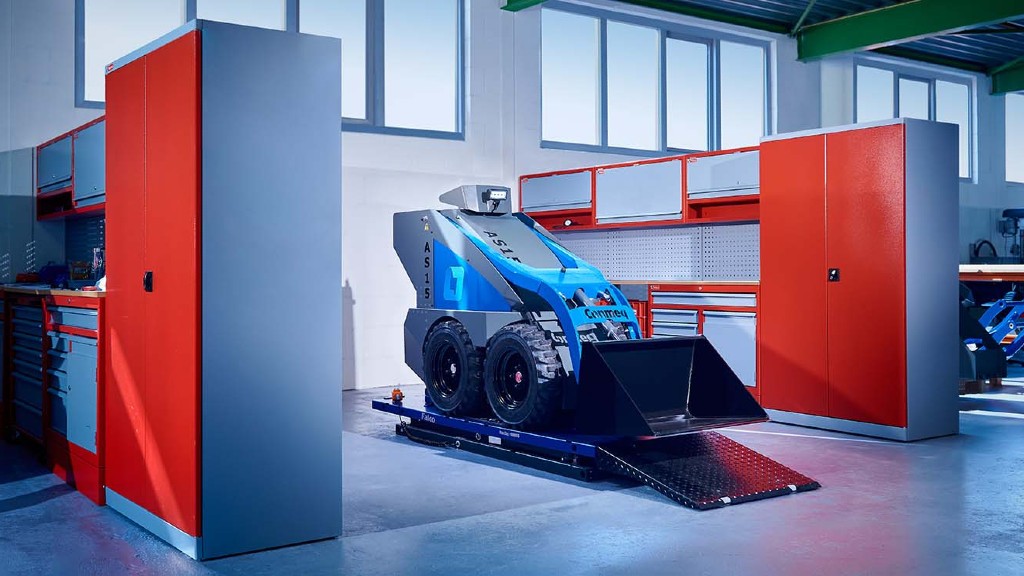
(659, 387)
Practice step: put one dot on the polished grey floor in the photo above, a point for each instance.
(946, 506)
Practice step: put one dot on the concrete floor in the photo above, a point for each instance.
(946, 506)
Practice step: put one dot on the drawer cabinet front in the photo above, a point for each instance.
(28, 418)
(85, 318)
(58, 411)
(678, 316)
(32, 313)
(733, 334)
(23, 327)
(27, 341)
(33, 370)
(58, 360)
(28, 391)
(664, 329)
(53, 164)
(745, 300)
(59, 379)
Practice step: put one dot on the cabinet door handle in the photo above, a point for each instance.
(147, 281)
(833, 274)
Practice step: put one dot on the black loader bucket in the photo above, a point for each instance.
(659, 387)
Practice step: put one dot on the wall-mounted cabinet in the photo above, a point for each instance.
(71, 172)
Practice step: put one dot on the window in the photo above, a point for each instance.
(953, 105)
(345, 19)
(1015, 138)
(401, 63)
(570, 77)
(633, 69)
(687, 94)
(260, 13)
(110, 29)
(874, 94)
(883, 93)
(402, 60)
(743, 94)
(421, 64)
(609, 84)
(914, 100)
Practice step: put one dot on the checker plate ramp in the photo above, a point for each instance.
(703, 470)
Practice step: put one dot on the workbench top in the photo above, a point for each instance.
(53, 292)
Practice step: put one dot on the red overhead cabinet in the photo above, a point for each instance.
(223, 406)
(859, 279)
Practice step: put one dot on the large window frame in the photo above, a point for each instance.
(712, 38)
(373, 90)
(928, 76)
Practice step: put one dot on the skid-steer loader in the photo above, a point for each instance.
(510, 323)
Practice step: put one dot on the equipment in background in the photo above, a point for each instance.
(981, 356)
(1009, 228)
(513, 333)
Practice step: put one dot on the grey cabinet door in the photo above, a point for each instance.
(53, 164)
(733, 335)
(90, 173)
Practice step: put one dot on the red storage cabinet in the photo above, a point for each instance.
(207, 372)
(859, 279)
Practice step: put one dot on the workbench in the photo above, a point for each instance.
(52, 379)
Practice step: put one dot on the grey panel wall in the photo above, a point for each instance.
(271, 215)
(25, 244)
(679, 253)
(933, 321)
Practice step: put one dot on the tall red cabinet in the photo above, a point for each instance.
(223, 405)
(859, 324)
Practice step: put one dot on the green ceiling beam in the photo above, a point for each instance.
(1008, 77)
(900, 23)
(517, 5)
(678, 8)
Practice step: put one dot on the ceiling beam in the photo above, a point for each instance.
(1009, 77)
(679, 8)
(901, 23)
(517, 5)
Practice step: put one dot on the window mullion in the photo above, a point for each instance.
(714, 101)
(375, 62)
(603, 83)
(663, 91)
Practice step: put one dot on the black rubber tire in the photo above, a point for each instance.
(453, 367)
(523, 377)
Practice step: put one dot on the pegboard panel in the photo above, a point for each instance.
(661, 254)
(592, 246)
(731, 252)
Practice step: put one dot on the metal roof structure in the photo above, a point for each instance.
(978, 35)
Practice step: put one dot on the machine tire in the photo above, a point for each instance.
(521, 354)
(453, 370)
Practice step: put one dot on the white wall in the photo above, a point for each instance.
(383, 174)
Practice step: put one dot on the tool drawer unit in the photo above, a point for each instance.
(73, 386)
(25, 366)
(724, 313)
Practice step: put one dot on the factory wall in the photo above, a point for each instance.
(383, 174)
